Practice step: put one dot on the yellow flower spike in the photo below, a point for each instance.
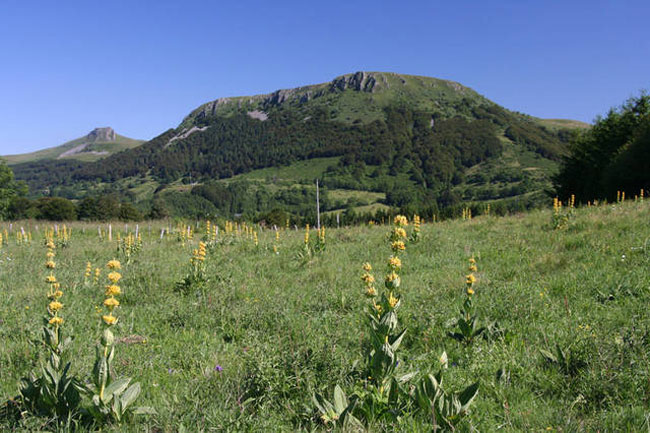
(114, 277)
(50, 279)
(371, 291)
(50, 254)
(367, 267)
(473, 268)
(109, 319)
(471, 279)
(400, 221)
(112, 290)
(395, 262)
(398, 246)
(470, 291)
(112, 264)
(472, 260)
(111, 303)
(55, 306)
(400, 232)
(56, 321)
(367, 278)
(50, 264)
(392, 301)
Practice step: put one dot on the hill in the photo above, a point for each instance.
(412, 141)
(97, 144)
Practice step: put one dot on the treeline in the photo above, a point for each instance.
(405, 142)
(103, 208)
(612, 156)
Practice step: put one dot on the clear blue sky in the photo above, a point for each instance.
(140, 67)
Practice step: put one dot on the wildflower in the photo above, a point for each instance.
(400, 232)
(112, 290)
(391, 277)
(398, 246)
(395, 262)
(471, 279)
(114, 277)
(400, 221)
(50, 279)
(367, 267)
(113, 265)
(109, 320)
(367, 278)
(470, 291)
(111, 303)
(55, 306)
(392, 301)
(56, 321)
(472, 260)
(50, 264)
(371, 291)
(49, 254)
(55, 295)
(473, 268)
(218, 368)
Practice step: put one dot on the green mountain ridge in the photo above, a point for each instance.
(389, 139)
(98, 144)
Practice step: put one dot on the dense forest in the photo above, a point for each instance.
(612, 156)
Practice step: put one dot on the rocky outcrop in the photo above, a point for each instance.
(101, 134)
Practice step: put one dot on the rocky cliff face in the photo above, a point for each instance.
(101, 134)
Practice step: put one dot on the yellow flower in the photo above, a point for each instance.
(367, 267)
(371, 291)
(400, 220)
(471, 279)
(400, 232)
(392, 301)
(110, 319)
(50, 264)
(472, 261)
(470, 291)
(50, 279)
(473, 268)
(367, 278)
(112, 264)
(114, 277)
(49, 254)
(55, 306)
(395, 262)
(50, 245)
(378, 308)
(56, 286)
(111, 303)
(112, 290)
(56, 320)
(55, 295)
(398, 246)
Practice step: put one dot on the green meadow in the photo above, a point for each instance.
(565, 349)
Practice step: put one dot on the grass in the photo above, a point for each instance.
(121, 143)
(282, 328)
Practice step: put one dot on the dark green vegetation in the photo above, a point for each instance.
(570, 352)
(612, 156)
(413, 142)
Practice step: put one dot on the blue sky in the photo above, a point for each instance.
(140, 67)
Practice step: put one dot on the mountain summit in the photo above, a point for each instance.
(97, 144)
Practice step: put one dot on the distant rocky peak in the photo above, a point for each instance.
(102, 134)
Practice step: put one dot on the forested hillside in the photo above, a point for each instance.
(418, 141)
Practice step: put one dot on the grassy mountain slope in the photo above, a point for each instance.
(91, 150)
(408, 140)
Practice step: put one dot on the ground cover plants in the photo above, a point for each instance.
(279, 327)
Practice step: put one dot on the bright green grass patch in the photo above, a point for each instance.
(281, 328)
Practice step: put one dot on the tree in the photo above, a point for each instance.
(9, 189)
(610, 156)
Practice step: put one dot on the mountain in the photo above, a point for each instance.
(374, 139)
(97, 144)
